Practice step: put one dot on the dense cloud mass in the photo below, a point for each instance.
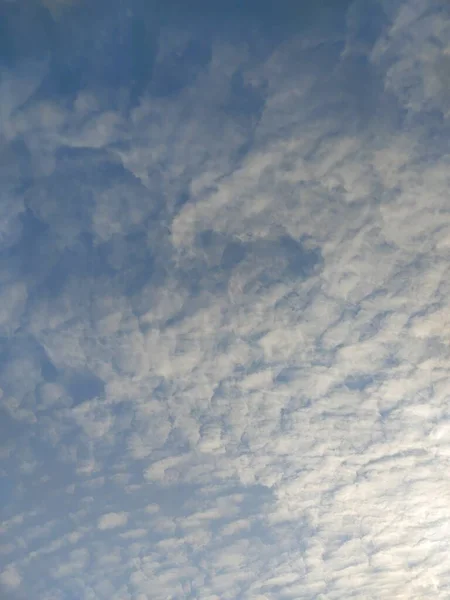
(224, 300)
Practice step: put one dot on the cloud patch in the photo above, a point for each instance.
(112, 520)
(10, 577)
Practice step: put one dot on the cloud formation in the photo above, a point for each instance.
(10, 577)
(223, 324)
(112, 520)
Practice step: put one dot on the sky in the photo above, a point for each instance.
(224, 300)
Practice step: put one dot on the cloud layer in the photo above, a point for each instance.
(224, 305)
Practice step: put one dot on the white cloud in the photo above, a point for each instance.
(10, 577)
(112, 520)
(77, 562)
(236, 527)
(134, 534)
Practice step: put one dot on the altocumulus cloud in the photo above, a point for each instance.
(112, 520)
(224, 300)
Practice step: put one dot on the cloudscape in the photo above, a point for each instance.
(224, 300)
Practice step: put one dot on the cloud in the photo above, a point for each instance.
(224, 306)
(10, 577)
(112, 520)
(56, 6)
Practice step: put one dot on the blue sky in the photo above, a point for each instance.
(224, 300)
